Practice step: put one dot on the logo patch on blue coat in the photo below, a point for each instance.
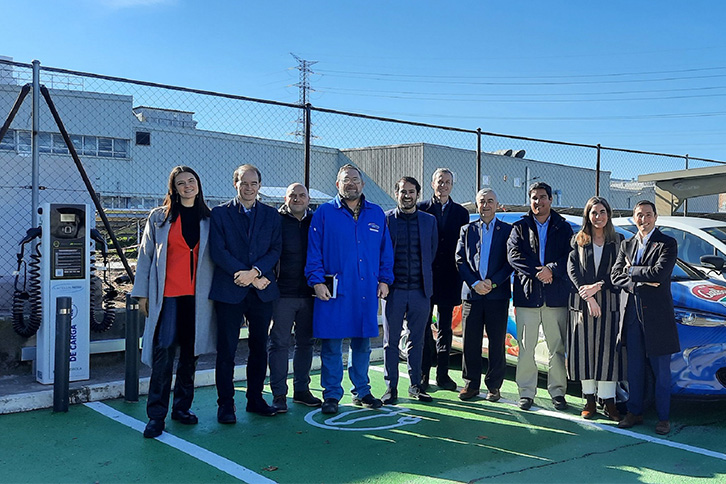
(373, 227)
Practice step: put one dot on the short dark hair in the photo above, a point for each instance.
(243, 168)
(408, 179)
(540, 185)
(645, 202)
(349, 166)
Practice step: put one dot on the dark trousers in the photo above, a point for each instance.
(442, 346)
(289, 311)
(476, 316)
(177, 320)
(229, 319)
(637, 366)
(413, 305)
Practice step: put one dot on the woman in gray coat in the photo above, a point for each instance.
(173, 277)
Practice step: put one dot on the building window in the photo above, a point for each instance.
(44, 142)
(8, 141)
(120, 148)
(143, 138)
(24, 140)
(90, 145)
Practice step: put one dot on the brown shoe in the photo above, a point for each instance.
(467, 393)
(663, 427)
(590, 409)
(493, 396)
(630, 420)
(611, 410)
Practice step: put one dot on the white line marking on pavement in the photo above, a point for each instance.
(608, 428)
(193, 450)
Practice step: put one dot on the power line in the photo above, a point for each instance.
(304, 87)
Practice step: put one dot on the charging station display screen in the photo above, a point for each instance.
(67, 240)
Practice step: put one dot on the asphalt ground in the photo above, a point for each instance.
(444, 441)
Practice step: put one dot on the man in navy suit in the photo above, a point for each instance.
(245, 243)
(643, 270)
(481, 257)
(450, 217)
(414, 238)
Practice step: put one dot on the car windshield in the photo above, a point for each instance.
(718, 232)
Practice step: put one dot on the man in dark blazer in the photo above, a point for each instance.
(245, 244)
(537, 249)
(450, 217)
(481, 256)
(415, 239)
(643, 270)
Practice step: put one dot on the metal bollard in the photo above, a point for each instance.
(62, 371)
(131, 380)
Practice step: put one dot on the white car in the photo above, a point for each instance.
(696, 237)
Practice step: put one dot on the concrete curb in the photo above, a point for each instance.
(25, 402)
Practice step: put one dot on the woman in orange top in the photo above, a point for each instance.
(173, 276)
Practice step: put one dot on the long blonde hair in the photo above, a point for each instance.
(584, 236)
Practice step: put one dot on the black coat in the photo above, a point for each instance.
(447, 282)
(523, 255)
(468, 254)
(290, 269)
(654, 304)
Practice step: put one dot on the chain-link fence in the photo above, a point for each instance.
(130, 134)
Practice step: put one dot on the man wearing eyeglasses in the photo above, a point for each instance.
(245, 244)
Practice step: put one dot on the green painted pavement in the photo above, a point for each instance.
(444, 441)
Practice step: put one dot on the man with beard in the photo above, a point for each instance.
(414, 238)
(348, 242)
(538, 249)
(295, 305)
(450, 217)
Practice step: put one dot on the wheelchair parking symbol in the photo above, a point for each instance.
(361, 419)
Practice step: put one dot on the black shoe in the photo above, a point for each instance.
(390, 397)
(446, 383)
(154, 428)
(330, 406)
(260, 407)
(280, 403)
(493, 396)
(368, 401)
(306, 398)
(417, 394)
(559, 402)
(185, 417)
(225, 414)
(525, 403)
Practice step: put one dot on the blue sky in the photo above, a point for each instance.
(639, 75)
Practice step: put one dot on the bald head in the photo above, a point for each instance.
(297, 199)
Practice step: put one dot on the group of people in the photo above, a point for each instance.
(201, 273)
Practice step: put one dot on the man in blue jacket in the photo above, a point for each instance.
(245, 244)
(537, 249)
(481, 257)
(414, 238)
(348, 241)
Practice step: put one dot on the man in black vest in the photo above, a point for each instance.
(295, 305)
(447, 283)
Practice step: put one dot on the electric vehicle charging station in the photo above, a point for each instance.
(66, 246)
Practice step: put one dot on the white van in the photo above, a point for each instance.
(696, 236)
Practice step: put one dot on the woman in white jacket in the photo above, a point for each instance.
(173, 276)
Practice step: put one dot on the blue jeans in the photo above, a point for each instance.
(331, 371)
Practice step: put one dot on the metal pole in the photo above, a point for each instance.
(685, 202)
(131, 380)
(478, 159)
(35, 176)
(307, 145)
(597, 173)
(62, 371)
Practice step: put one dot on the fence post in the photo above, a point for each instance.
(35, 163)
(62, 369)
(131, 379)
(597, 172)
(307, 145)
(478, 159)
(685, 202)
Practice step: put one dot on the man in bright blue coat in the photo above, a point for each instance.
(348, 239)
